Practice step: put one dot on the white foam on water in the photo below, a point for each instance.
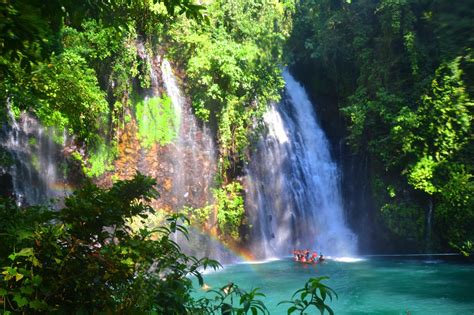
(259, 262)
(347, 259)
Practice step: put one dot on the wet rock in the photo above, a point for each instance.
(167, 184)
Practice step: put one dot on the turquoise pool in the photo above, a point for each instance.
(364, 286)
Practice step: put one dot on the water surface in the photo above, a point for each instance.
(369, 286)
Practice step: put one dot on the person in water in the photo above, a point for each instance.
(321, 258)
(301, 256)
(305, 256)
(296, 255)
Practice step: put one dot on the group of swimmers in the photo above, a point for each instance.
(304, 256)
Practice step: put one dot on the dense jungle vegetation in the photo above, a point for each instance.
(86, 259)
(400, 73)
(78, 68)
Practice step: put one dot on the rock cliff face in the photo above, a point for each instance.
(185, 167)
(183, 173)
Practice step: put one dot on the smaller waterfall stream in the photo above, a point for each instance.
(293, 194)
(194, 150)
(35, 159)
(186, 167)
(173, 90)
(194, 157)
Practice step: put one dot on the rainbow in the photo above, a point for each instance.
(61, 187)
(234, 248)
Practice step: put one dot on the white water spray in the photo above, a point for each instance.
(293, 197)
(172, 90)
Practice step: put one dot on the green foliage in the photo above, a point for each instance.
(405, 220)
(230, 209)
(69, 62)
(421, 175)
(455, 212)
(447, 112)
(233, 64)
(95, 41)
(157, 122)
(467, 248)
(29, 29)
(89, 260)
(6, 159)
(17, 224)
(199, 216)
(25, 33)
(313, 294)
(441, 124)
(64, 92)
(70, 96)
(230, 300)
(99, 160)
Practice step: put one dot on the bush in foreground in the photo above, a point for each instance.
(85, 259)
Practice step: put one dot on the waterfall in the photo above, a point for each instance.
(34, 160)
(186, 167)
(429, 227)
(173, 91)
(293, 191)
(194, 157)
(193, 153)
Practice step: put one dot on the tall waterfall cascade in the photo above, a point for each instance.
(293, 185)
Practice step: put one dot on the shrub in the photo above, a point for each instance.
(87, 259)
